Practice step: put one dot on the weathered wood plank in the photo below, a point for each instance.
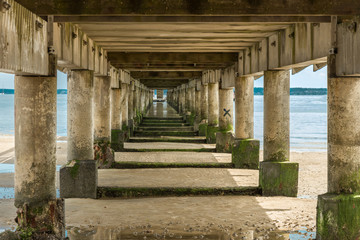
(199, 7)
(171, 58)
(348, 47)
(192, 19)
(166, 75)
(302, 42)
(228, 77)
(23, 41)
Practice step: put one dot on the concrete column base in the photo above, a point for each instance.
(78, 179)
(211, 134)
(118, 137)
(245, 153)
(338, 217)
(190, 118)
(224, 142)
(117, 140)
(44, 221)
(202, 128)
(131, 127)
(279, 178)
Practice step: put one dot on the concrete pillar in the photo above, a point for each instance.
(117, 143)
(190, 115)
(78, 179)
(35, 150)
(338, 210)
(142, 101)
(160, 94)
(80, 136)
(135, 104)
(193, 101)
(245, 152)
(225, 137)
(187, 99)
(197, 109)
(244, 107)
(204, 102)
(213, 112)
(116, 108)
(124, 105)
(131, 108)
(278, 176)
(204, 109)
(102, 130)
(183, 100)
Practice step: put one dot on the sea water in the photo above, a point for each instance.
(308, 120)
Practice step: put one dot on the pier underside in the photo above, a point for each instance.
(128, 153)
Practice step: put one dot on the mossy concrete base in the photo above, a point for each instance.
(117, 139)
(41, 221)
(124, 192)
(190, 119)
(78, 179)
(202, 129)
(224, 142)
(279, 178)
(135, 165)
(131, 127)
(211, 134)
(245, 153)
(338, 217)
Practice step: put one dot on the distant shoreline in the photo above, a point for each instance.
(257, 91)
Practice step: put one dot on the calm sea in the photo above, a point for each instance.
(308, 120)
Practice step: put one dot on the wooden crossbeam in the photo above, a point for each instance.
(191, 7)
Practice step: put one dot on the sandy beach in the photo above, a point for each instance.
(245, 212)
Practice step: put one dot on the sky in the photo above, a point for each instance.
(304, 79)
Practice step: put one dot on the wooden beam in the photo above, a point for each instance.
(172, 58)
(166, 75)
(23, 41)
(193, 19)
(190, 7)
(160, 83)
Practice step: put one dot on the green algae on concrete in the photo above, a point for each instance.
(338, 217)
(170, 150)
(162, 139)
(117, 140)
(79, 182)
(132, 165)
(211, 134)
(124, 192)
(245, 153)
(41, 222)
(224, 142)
(279, 178)
(202, 129)
(190, 119)
(164, 133)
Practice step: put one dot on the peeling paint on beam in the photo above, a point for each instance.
(199, 7)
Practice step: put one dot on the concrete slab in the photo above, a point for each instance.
(195, 139)
(173, 157)
(178, 177)
(167, 145)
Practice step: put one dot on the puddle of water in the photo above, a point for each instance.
(9, 193)
(186, 233)
(7, 168)
(307, 197)
(10, 168)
